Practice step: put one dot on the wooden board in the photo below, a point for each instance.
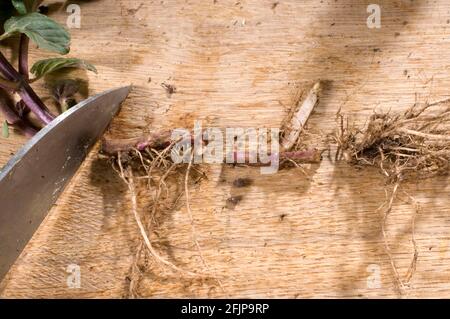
(241, 64)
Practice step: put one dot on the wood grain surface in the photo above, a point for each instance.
(241, 63)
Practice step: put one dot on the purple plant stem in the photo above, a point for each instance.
(23, 63)
(153, 140)
(162, 139)
(26, 92)
(7, 69)
(35, 104)
(23, 56)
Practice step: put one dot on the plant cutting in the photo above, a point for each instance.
(147, 162)
(22, 22)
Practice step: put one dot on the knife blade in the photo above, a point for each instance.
(34, 178)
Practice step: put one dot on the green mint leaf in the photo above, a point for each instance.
(25, 6)
(47, 66)
(5, 129)
(20, 6)
(43, 31)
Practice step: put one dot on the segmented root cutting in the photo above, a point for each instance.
(150, 158)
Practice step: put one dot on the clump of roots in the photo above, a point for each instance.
(406, 146)
(410, 145)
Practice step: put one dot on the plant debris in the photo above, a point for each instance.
(64, 93)
(298, 117)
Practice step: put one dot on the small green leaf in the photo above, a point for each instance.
(25, 6)
(5, 129)
(43, 31)
(47, 66)
(20, 6)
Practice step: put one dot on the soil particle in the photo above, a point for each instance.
(170, 89)
(232, 202)
(242, 182)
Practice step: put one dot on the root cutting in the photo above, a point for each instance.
(405, 146)
(149, 159)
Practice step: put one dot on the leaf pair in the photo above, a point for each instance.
(45, 32)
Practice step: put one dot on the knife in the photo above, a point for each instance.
(34, 178)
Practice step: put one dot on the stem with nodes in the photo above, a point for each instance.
(18, 82)
(13, 118)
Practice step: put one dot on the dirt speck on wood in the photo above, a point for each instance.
(233, 201)
(170, 89)
(242, 182)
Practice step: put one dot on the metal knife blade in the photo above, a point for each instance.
(34, 178)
